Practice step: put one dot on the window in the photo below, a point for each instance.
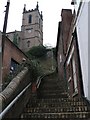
(29, 30)
(13, 66)
(60, 58)
(71, 53)
(30, 19)
(39, 35)
(74, 74)
(28, 43)
(39, 23)
(19, 40)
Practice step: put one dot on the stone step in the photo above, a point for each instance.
(52, 80)
(59, 100)
(57, 91)
(50, 104)
(65, 116)
(56, 102)
(46, 109)
(51, 91)
(53, 87)
(53, 95)
(49, 83)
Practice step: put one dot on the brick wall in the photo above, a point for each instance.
(11, 51)
(60, 61)
(65, 43)
(62, 40)
(67, 16)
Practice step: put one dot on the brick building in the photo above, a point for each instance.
(12, 56)
(63, 31)
(69, 68)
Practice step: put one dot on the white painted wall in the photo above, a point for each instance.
(88, 50)
(0, 40)
(0, 60)
(82, 33)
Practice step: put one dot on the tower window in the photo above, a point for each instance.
(30, 19)
(18, 40)
(28, 43)
(29, 30)
(60, 58)
(39, 34)
(39, 23)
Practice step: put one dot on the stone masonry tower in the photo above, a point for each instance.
(32, 28)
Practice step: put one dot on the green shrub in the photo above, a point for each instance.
(37, 52)
(34, 69)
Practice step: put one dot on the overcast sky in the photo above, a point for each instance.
(51, 15)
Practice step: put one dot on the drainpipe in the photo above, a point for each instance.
(6, 17)
(5, 26)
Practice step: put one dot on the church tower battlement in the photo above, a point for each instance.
(32, 28)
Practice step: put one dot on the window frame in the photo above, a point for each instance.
(28, 43)
(74, 73)
(30, 19)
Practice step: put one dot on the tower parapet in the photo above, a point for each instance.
(32, 10)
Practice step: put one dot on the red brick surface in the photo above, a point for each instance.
(64, 48)
(10, 51)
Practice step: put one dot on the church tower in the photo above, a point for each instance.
(32, 28)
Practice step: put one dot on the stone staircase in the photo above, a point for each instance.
(52, 102)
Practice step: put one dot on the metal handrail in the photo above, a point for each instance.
(2, 114)
(41, 77)
(39, 81)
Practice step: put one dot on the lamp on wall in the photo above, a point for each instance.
(73, 2)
